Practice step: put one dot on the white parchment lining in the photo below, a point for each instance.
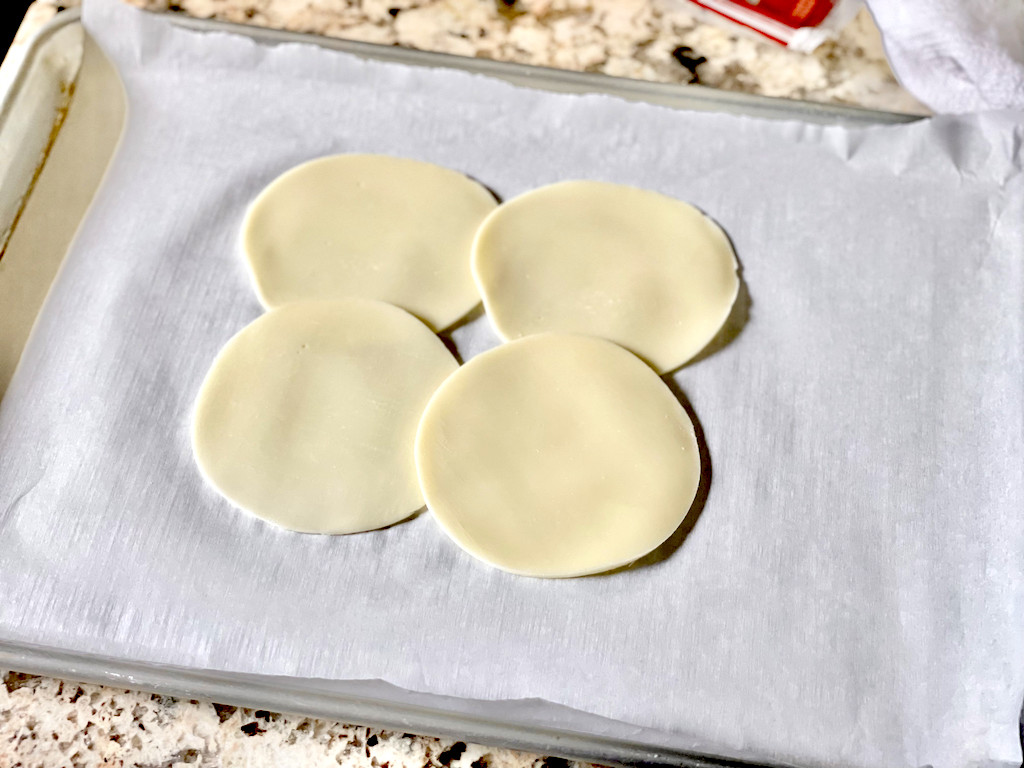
(851, 592)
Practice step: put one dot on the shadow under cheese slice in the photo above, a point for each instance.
(308, 416)
(368, 226)
(557, 455)
(639, 268)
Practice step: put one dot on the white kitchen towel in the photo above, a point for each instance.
(956, 56)
(852, 590)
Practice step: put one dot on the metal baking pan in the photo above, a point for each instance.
(59, 126)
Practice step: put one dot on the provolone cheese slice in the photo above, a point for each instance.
(557, 455)
(644, 270)
(368, 226)
(308, 416)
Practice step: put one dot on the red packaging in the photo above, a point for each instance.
(800, 24)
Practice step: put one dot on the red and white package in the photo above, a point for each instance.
(799, 24)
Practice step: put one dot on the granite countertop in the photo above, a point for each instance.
(51, 723)
(661, 40)
(48, 722)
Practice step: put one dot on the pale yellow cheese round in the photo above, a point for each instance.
(639, 268)
(557, 455)
(308, 416)
(368, 226)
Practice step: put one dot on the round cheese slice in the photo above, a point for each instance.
(641, 269)
(557, 455)
(308, 415)
(368, 226)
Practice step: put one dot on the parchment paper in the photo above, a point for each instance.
(851, 592)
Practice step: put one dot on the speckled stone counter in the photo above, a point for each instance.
(47, 722)
(662, 40)
(647, 39)
(54, 723)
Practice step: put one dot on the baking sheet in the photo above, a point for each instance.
(61, 122)
(851, 590)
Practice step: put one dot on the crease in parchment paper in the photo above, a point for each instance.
(851, 594)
